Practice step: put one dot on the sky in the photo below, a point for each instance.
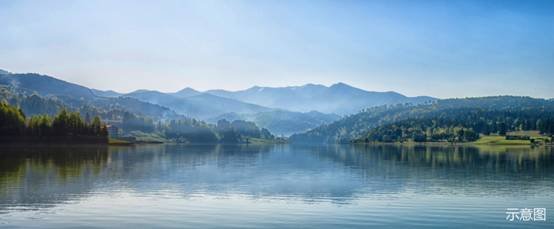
(446, 48)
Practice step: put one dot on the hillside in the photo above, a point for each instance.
(444, 120)
(74, 96)
(45, 85)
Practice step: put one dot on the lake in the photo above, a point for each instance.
(273, 186)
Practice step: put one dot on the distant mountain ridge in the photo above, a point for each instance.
(213, 108)
(339, 98)
(284, 111)
(45, 85)
(197, 105)
(108, 93)
(158, 105)
(186, 92)
(74, 95)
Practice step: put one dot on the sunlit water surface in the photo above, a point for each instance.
(275, 186)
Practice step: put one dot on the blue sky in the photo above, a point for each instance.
(437, 48)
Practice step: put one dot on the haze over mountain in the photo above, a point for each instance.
(201, 105)
(159, 105)
(339, 98)
(283, 122)
(186, 92)
(312, 110)
(45, 85)
(212, 108)
(107, 93)
(75, 96)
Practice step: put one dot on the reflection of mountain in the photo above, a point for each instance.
(44, 177)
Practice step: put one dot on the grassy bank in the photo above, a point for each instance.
(119, 142)
(535, 138)
(500, 140)
(259, 141)
(490, 140)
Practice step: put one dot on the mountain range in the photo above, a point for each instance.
(282, 110)
(192, 103)
(339, 98)
(202, 106)
(74, 95)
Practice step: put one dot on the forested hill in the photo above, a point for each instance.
(443, 120)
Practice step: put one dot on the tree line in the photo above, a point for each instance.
(65, 126)
(462, 125)
(194, 131)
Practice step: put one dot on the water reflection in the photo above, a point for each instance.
(478, 171)
(39, 177)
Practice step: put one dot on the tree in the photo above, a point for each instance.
(96, 126)
(64, 126)
(12, 120)
(60, 124)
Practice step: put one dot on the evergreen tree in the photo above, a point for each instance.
(41, 127)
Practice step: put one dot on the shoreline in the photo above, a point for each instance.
(128, 144)
(117, 144)
(451, 144)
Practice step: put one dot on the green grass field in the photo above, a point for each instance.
(500, 140)
(530, 133)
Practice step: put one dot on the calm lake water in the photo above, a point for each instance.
(277, 186)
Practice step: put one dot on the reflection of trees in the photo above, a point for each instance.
(42, 176)
(47, 176)
(156, 160)
(523, 159)
(479, 169)
(28, 174)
